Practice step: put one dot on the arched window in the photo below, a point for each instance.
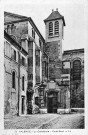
(33, 33)
(50, 29)
(23, 82)
(76, 70)
(56, 28)
(14, 55)
(13, 80)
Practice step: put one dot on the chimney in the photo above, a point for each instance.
(52, 10)
(9, 29)
(56, 9)
(13, 29)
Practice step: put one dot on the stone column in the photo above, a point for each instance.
(34, 73)
(68, 98)
(40, 66)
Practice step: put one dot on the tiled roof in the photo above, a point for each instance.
(55, 15)
(15, 18)
(9, 17)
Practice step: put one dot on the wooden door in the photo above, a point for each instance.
(54, 105)
(49, 105)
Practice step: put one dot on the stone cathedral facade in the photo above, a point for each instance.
(36, 71)
(66, 69)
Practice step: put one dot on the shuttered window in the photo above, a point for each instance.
(50, 29)
(33, 33)
(7, 49)
(23, 61)
(14, 55)
(56, 28)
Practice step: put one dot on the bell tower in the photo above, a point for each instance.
(54, 27)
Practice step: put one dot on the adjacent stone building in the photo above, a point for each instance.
(15, 77)
(73, 73)
(24, 31)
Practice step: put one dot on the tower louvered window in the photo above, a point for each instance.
(56, 28)
(50, 29)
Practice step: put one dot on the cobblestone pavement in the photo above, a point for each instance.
(45, 121)
(71, 121)
(28, 122)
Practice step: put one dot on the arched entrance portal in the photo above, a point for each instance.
(52, 101)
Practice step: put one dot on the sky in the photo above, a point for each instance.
(74, 12)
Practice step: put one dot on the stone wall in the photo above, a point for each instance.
(12, 101)
(37, 68)
(53, 49)
(10, 95)
(30, 65)
(76, 86)
(45, 68)
(23, 72)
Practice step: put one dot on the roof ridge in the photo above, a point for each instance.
(73, 50)
(13, 14)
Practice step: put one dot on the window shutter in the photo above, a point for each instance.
(50, 29)
(12, 53)
(56, 28)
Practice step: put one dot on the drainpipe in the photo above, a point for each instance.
(40, 66)
(18, 83)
